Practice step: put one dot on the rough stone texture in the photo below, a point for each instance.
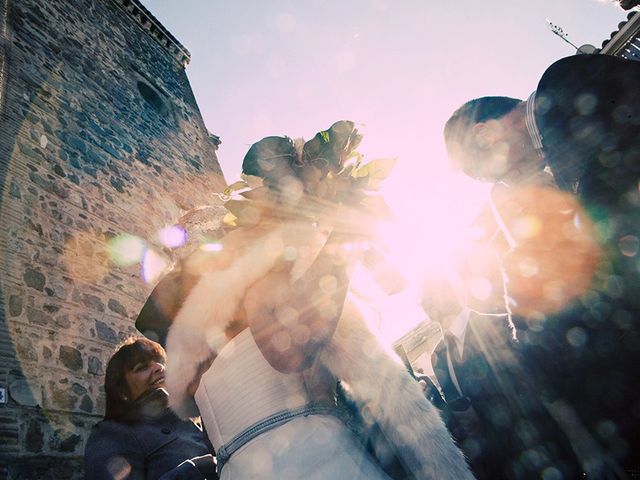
(101, 138)
(95, 366)
(22, 394)
(71, 358)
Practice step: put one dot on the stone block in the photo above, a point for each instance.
(93, 302)
(37, 317)
(95, 366)
(64, 441)
(105, 332)
(63, 321)
(34, 438)
(61, 397)
(116, 307)
(15, 305)
(70, 357)
(86, 404)
(78, 389)
(25, 349)
(34, 279)
(22, 393)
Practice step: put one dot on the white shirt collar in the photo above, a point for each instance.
(532, 126)
(458, 328)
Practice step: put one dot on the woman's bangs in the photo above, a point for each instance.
(143, 351)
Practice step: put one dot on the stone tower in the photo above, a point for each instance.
(101, 146)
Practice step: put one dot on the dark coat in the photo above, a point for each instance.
(588, 112)
(147, 450)
(587, 109)
(507, 432)
(592, 352)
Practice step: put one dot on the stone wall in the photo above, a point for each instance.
(101, 146)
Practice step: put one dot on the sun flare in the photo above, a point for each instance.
(432, 223)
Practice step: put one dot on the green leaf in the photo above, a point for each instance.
(375, 171)
(325, 136)
(234, 187)
(252, 181)
(236, 206)
(230, 220)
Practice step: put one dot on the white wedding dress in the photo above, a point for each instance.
(241, 389)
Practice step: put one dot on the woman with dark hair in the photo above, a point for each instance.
(140, 437)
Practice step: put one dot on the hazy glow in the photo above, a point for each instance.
(432, 209)
(153, 266)
(84, 256)
(555, 256)
(527, 227)
(629, 245)
(211, 247)
(389, 317)
(173, 236)
(432, 220)
(125, 250)
(374, 62)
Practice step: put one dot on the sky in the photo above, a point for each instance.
(398, 68)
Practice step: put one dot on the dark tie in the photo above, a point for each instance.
(444, 360)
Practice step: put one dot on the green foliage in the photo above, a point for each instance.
(332, 173)
(375, 171)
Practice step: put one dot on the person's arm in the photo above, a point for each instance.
(292, 321)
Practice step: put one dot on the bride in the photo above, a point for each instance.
(266, 330)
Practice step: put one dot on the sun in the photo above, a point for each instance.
(432, 222)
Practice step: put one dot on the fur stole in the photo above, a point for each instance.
(380, 385)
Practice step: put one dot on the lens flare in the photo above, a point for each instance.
(153, 266)
(173, 236)
(125, 250)
(211, 247)
(555, 266)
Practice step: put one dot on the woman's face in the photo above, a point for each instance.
(144, 376)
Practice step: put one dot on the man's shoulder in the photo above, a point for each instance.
(578, 61)
(578, 69)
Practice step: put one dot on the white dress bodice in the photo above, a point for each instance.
(241, 388)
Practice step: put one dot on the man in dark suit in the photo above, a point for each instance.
(629, 4)
(495, 398)
(583, 123)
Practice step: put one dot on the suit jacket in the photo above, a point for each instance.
(507, 433)
(595, 345)
(588, 111)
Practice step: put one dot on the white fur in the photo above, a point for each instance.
(395, 400)
(198, 330)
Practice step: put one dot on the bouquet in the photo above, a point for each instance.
(321, 185)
